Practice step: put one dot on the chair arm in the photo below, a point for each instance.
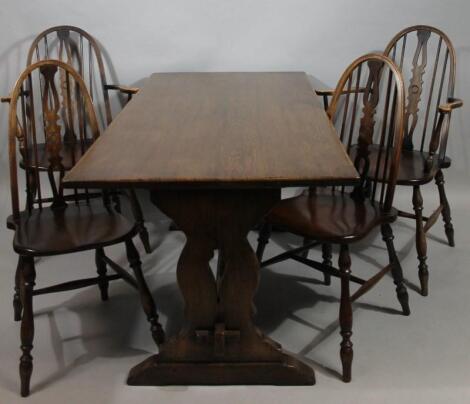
(330, 93)
(450, 105)
(324, 93)
(11, 223)
(440, 134)
(123, 89)
(7, 99)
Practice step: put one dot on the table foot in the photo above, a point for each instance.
(152, 372)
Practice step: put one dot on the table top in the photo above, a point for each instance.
(218, 130)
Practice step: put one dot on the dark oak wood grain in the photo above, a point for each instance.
(218, 129)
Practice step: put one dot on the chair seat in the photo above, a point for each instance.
(335, 218)
(412, 166)
(70, 154)
(76, 228)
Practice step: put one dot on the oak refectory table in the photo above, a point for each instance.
(215, 149)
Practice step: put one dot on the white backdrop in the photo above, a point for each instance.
(319, 37)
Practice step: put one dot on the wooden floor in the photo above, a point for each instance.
(80, 340)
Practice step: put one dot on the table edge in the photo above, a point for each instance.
(213, 185)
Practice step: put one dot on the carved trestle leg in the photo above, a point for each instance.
(17, 306)
(219, 343)
(103, 283)
(449, 229)
(326, 255)
(148, 304)
(345, 313)
(421, 246)
(397, 272)
(27, 278)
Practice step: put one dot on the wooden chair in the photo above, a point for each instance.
(368, 110)
(79, 49)
(63, 223)
(426, 58)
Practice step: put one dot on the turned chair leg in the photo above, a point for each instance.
(397, 272)
(139, 218)
(449, 229)
(27, 280)
(116, 201)
(326, 255)
(144, 237)
(103, 282)
(263, 239)
(17, 306)
(146, 297)
(421, 246)
(305, 252)
(345, 313)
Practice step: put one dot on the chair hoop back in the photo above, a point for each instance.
(426, 57)
(49, 106)
(79, 49)
(368, 110)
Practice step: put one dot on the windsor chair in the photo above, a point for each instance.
(64, 222)
(367, 109)
(426, 58)
(79, 49)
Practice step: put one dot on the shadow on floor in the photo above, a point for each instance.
(278, 298)
(106, 330)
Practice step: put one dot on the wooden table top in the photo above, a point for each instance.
(218, 130)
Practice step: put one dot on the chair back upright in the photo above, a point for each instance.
(367, 109)
(50, 107)
(426, 58)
